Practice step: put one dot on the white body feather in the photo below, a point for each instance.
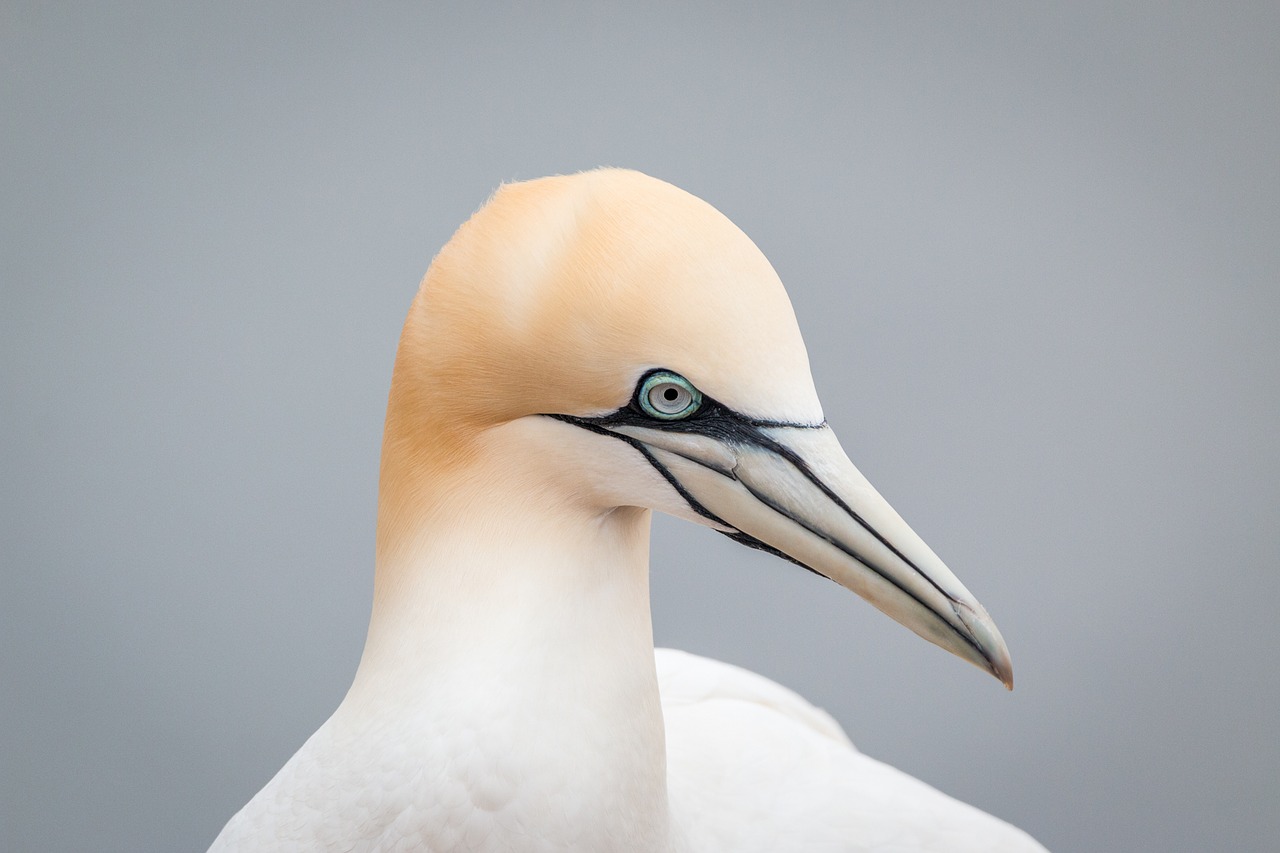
(751, 767)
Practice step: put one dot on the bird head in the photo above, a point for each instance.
(646, 340)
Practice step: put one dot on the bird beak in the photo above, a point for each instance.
(793, 491)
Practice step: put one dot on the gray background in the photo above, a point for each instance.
(1033, 250)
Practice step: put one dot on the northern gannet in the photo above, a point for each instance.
(584, 350)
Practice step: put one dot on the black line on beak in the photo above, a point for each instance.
(800, 465)
(720, 423)
(717, 421)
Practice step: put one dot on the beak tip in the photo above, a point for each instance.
(998, 660)
(1004, 674)
(987, 640)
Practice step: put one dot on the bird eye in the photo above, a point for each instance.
(668, 396)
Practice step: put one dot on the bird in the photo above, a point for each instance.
(587, 349)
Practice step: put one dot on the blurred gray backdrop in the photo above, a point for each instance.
(1034, 251)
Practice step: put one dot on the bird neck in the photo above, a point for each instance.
(507, 608)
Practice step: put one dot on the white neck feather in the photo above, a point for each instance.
(513, 636)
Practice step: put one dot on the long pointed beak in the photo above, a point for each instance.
(792, 490)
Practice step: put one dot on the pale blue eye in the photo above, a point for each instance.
(668, 396)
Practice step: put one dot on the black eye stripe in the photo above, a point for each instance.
(712, 418)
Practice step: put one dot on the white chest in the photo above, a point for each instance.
(495, 781)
